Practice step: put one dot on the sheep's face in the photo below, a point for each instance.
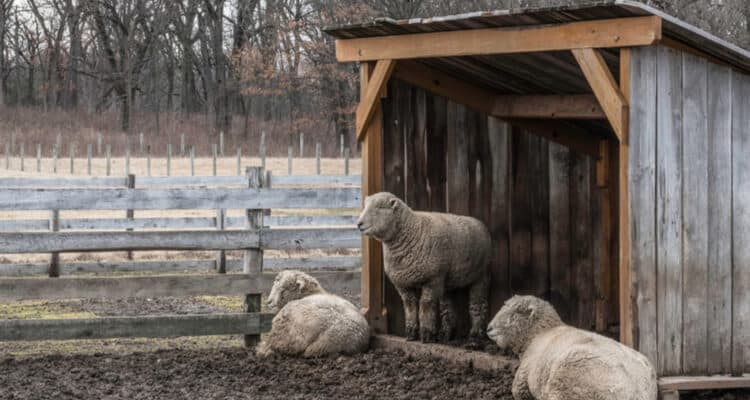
(380, 215)
(289, 286)
(517, 320)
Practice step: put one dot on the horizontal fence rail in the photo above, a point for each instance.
(13, 289)
(297, 239)
(164, 199)
(183, 181)
(128, 327)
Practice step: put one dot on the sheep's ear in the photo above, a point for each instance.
(301, 284)
(393, 203)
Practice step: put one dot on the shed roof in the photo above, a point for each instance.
(593, 10)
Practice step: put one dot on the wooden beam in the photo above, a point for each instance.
(623, 212)
(371, 96)
(372, 182)
(704, 382)
(500, 106)
(605, 88)
(485, 101)
(607, 200)
(616, 32)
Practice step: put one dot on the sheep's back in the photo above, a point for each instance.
(585, 365)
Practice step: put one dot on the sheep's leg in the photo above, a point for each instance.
(447, 319)
(520, 388)
(478, 297)
(410, 298)
(432, 294)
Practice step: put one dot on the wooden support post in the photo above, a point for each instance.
(341, 146)
(346, 161)
(54, 260)
(99, 144)
(221, 143)
(370, 94)
(317, 158)
(130, 214)
(192, 161)
(301, 145)
(148, 160)
(169, 159)
(54, 158)
(127, 160)
(289, 161)
(221, 255)
(140, 143)
(239, 160)
(262, 150)
(21, 152)
(182, 145)
(606, 201)
(72, 154)
(372, 182)
(89, 151)
(109, 160)
(627, 324)
(38, 157)
(253, 258)
(213, 159)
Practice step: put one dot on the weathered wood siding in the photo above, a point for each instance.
(535, 197)
(690, 212)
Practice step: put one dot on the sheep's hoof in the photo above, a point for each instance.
(412, 334)
(427, 336)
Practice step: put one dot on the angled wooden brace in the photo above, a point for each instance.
(605, 88)
(370, 97)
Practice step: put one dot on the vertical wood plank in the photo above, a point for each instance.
(642, 191)
(539, 170)
(499, 137)
(130, 214)
(252, 305)
(221, 255)
(620, 251)
(253, 258)
(669, 210)
(740, 223)
(719, 304)
(562, 292)
(520, 241)
(53, 270)
(602, 205)
(694, 214)
(582, 268)
(393, 181)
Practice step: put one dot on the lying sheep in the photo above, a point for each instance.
(427, 254)
(562, 362)
(312, 322)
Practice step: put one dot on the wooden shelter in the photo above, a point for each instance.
(606, 147)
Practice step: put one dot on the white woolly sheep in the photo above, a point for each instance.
(427, 254)
(312, 322)
(560, 362)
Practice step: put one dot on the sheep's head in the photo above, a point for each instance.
(519, 320)
(289, 286)
(381, 216)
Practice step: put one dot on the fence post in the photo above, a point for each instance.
(192, 161)
(72, 153)
(221, 255)
(13, 140)
(263, 149)
(346, 161)
(148, 159)
(182, 145)
(54, 158)
(253, 258)
(169, 159)
(140, 143)
(89, 150)
(7, 155)
(289, 161)
(21, 154)
(38, 157)
(59, 141)
(109, 159)
(301, 145)
(99, 144)
(129, 214)
(239, 160)
(213, 153)
(317, 158)
(221, 143)
(54, 260)
(341, 146)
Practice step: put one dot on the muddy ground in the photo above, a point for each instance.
(219, 368)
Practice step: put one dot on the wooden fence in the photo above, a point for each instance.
(257, 230)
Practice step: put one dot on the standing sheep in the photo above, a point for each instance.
(427, 254)
(560, 362)
(312, 322)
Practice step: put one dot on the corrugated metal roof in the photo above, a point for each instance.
(597, 9)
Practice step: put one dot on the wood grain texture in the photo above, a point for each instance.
(669, 210)
(622, 32)
(719, 302)
(563, 294)
(695, 222)
(132, 327)
(642, 193)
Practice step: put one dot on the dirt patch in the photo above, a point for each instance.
(238, 373)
